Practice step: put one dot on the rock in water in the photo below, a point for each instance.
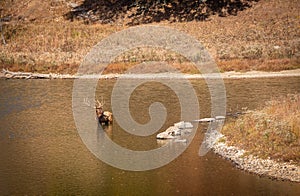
(170, 133)
(184, 125)
(178, 129)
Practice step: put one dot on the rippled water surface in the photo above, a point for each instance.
(41, 151)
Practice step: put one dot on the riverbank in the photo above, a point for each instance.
(253, 164)
(265, 141)
(226, 75)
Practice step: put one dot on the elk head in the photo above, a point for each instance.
(99, 108)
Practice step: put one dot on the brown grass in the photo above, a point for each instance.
(122, 67)
(264, 37)
(273, 131)
(55, 47)
(258, 65)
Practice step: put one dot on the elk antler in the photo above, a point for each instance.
(99, 104)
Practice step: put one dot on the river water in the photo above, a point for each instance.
(42, 152)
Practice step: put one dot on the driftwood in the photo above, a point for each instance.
(28, 75)
(217, 118)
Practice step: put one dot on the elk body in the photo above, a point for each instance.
(104, 117)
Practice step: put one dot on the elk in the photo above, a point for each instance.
(104, 117)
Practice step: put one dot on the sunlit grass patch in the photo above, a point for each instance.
(273, 131)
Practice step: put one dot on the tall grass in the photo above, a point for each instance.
(273, 131)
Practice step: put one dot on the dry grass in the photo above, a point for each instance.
(264, 37)
(55, 47)
(258, 64)
(272, 132)
(122, 67)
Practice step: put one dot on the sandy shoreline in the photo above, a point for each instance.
(261, 167)
(225, 75)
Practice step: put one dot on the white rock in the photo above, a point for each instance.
(206, 120)
(179, 124)
(188, 125)
(164, 135)
(220, 117)
(183, 125)
(173, 130)
(169, 133)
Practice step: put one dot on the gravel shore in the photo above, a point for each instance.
(261, 167)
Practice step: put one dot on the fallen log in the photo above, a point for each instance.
(28, 75)
(217, 118)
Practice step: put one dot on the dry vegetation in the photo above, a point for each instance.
(271, 132)
(41, 39)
